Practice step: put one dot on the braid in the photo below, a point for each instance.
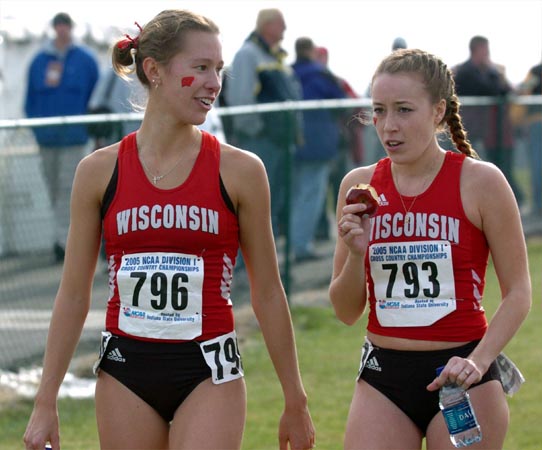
(457, 130)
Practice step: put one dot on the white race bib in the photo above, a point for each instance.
(222, 356)
(161, 295)
(413, 282)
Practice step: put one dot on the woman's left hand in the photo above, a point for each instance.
(461, 371)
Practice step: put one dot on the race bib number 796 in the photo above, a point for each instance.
(161, 295)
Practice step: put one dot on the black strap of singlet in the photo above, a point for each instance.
(226, 196)
(112, 188)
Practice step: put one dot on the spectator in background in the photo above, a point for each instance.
(532, 85)
(321, 55)
(114, 94)
(352, 140)
(61, 78)
(398, 43)
(491, 125)
(258, 74)
(320, 148)
(350, 146)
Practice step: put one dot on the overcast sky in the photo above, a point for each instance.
(358, 33)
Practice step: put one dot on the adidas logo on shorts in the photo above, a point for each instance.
(116, 355)
(373, 364)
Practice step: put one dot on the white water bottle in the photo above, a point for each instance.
(454, 402)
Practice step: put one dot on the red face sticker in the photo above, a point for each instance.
(187, 81)
(374, 121)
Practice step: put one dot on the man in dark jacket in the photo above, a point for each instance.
(490, 125)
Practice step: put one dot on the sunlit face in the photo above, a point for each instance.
(191, 82)
(403, 114)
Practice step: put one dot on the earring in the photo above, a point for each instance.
(155, 83)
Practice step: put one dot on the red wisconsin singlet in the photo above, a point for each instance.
(170, 252)
(425, 268)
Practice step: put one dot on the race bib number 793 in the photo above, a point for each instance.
(413, 282)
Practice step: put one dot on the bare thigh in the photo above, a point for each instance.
(491, 409)
(125, 420)
(375, 421)
(212, 417)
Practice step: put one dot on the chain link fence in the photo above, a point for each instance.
(29, 274)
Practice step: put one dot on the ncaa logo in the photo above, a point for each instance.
(388, 304)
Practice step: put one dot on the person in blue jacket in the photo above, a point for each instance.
(61, 78)
(313, 159)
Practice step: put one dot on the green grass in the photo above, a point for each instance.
(329, 357)
(77, 424)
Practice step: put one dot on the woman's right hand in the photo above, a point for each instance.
(42, 428)
(354, 230)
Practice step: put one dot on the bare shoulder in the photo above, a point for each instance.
(236, 161)
(480, 177)
(101, 158)
(95, 169)
(485, 192)
(241, 170)
(243, 174)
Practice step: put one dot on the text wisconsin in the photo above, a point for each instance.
(167, 216)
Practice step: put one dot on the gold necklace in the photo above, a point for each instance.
(425, 184)
(407, 217)
(157, 178)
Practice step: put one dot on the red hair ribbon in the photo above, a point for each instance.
(130, 42)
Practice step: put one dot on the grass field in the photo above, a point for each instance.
(329, 356)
